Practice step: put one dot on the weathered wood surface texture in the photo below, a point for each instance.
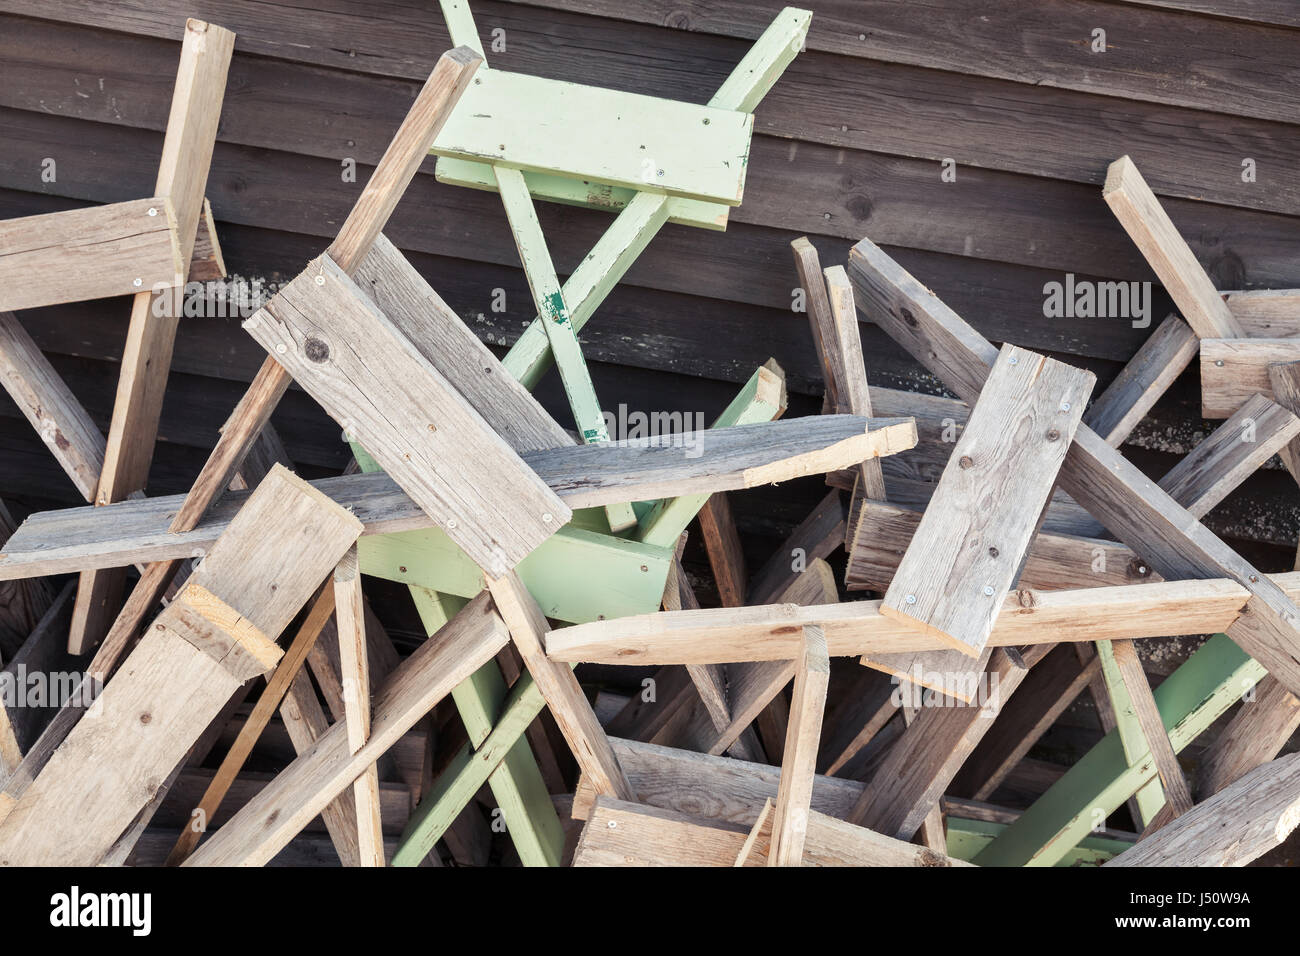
(834, 168)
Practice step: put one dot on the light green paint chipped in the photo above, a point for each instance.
(1151, 797)
(966, 838)
(581, 192)
(607, 136)
(515, 780)
(1190, 699)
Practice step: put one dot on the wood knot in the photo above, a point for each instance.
(965, 461)
(1025, 598)
(316, 350)
(908, 317)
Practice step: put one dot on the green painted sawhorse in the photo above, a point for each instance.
(583, 572)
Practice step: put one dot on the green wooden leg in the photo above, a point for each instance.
(557, 324)
(468, 772)
(966, 838)
(664, 521)
(1189, 699)
(1151, 797)
(516, 781)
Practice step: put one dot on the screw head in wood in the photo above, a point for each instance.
(1219, 363)
(320, 280)
(282, 348)
(994, 552)
(988, 590)
(1065, 406)
(153, 211)
(451, 522)
(137, 282)
(1013, 360)
(910, 599)
(548, 518)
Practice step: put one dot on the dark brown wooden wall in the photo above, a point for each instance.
(849, 144)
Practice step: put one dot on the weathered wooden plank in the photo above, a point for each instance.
(563, 695)
(1095, 475)
(973, 536)
(819, 534)
(583, 476)
(288, 668)
(89, 253)
(808, 267)
(855, 395)
(45, 399)
(798, 762)
(197, 96)
(1178, 795)
(360, 229)
(1267, 718)
(1233, 370)
(770, 632)
(1151, 229)
(920, 765)
(1050, 687)
(722, 542)
(271, 819)
(1125, 402)
(380, 389)
(178, 678)
(1231, 828)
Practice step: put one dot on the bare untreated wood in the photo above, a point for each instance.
(364, 224)
(178, 677)
(298, 793)
(47, 402)
(1234, 370)
(1150, 228)
(354, 675)
(1095, 475)
(155, 314)
(1263, 807)
(816, 537)
(1285, 380)
(820, 320)
(972, 538)
(560, 688)
(1178, 795)
(798, 762)
(582, 475)
(91, 253)
(771, 632)
(920, 765)
(351, 358)
(1266, 720)
(1125, 402)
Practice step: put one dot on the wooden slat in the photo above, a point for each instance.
(1095, 475)
(821, 533)
(798, 762)
(197, 96)
(770, 632)
(492, 504)
(178, 678)
(919, 766)
(362, 227)
(583, 476)
(974, 535)
(1150, 227)
(1178, 795)
(855, 394)
(1231, 828)
(90, 253)
(271, 819)
(1267, 719)
(808, 267)
(563, 695)
(45, 399)
(726, 557)
(1125, 402)
(1233, 370)
(1285, 381)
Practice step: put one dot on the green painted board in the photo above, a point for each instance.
(966, 838)
(1189, 700)
(515, 780)
(576, 576)
(580, 192)
(588, 132)
(1151, 797)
